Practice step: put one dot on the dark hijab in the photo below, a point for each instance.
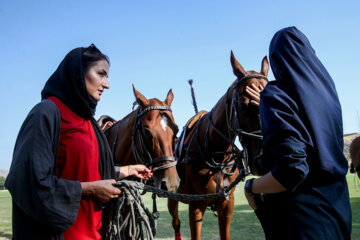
(310, 108)
(67, 83)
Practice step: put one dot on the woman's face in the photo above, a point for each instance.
(96, 79)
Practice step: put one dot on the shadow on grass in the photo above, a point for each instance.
(5, 235)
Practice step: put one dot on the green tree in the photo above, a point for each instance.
(2, 182)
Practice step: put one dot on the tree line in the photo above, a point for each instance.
(2, 183)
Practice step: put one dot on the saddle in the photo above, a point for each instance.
(195, 119)
(186, 134)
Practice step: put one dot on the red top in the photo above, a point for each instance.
(78, 160)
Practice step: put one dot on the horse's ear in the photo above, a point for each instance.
(236, 66)
(169, 98)
(140, 99)
(265, 66)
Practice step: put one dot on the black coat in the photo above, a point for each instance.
(44, 206)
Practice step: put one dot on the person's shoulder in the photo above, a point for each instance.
(42, 117)
(45, 108)
(276, 96)
(275, 90)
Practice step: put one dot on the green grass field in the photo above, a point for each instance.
(244, 225)
(5, 215)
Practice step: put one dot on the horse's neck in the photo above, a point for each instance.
(218, 117)
(124, 152)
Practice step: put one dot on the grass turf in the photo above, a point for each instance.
(244, 224)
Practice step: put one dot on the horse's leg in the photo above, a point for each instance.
(173, 210)
(196, 212)
(357, 160)
(225, 212)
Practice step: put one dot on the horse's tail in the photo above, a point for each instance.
(193, 95)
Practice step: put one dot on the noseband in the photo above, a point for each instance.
(143, 155)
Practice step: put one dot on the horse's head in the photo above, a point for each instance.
(153, 139)
(246, 119)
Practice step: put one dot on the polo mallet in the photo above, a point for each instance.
(190, 81)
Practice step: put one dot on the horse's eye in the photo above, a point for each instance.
(147, 133)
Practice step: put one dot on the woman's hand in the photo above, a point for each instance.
(254, 92)
(139, 170)
(107, 125)
(102, 190)
(251, 200)
(265, 184)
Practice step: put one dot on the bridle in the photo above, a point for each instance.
(237, 130)
(143, 155)
(234, 111)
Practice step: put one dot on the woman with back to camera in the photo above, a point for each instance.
(62, 170)
(303, 193)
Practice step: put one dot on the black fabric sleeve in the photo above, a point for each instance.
(289, 157)
(117, 172)
(32, 180)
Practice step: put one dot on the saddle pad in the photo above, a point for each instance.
(186, 134)
(195, 119)
(190, 126)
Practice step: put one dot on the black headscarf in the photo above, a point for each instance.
(312, 111)
(67, 84)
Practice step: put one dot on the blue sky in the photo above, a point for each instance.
(157, 45)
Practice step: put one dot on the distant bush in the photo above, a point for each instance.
(2, 182)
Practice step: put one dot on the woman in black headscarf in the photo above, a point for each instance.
(304, 193)
(62, 170)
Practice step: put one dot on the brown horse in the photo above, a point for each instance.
(206, 150)
(146, 136)
(354, 151)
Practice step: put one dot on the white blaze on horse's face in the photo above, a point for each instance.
(164, 123)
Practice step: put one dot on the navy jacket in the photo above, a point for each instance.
(301, 113)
